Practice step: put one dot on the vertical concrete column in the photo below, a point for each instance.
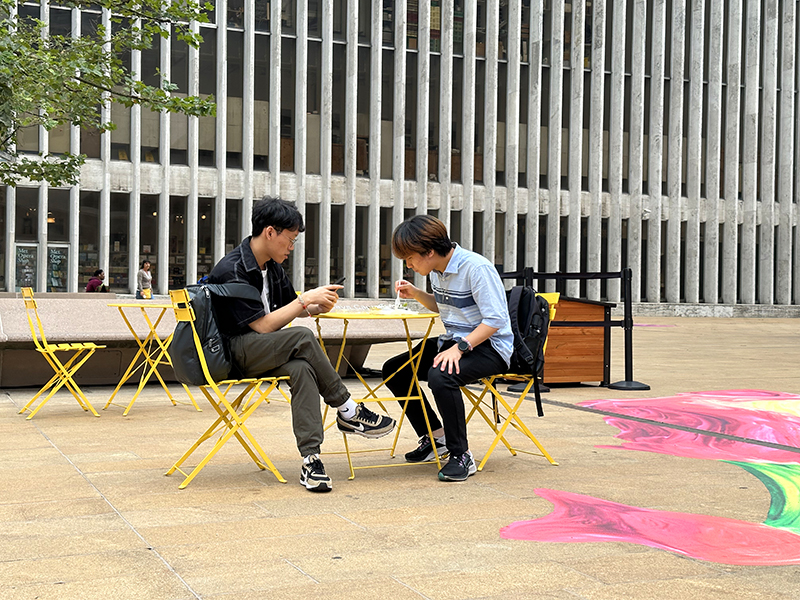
(490, 130)
(275, 45)
(468, 125)
(672, 279)
(534, 136)
(730, 260)
(44, 150)
(694, 153)
(423, 113)
(636, 145)
(575, 167)
(221, 146)
(373, 258)
(193, 143)
(164, 142)
(248, 115)
(445, 112)
(399, 127)
(786, 148)
(553, 245)
(135, 203)
(769, 120)
(74, 191)
(11, 236)
(615, 147)
(512, 135)
(752, 84)
(105, 157)
(350, 141)
(326, 118)
(714, 33)
(300, 138)
(655, 152)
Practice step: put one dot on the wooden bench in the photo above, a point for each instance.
(78, 317)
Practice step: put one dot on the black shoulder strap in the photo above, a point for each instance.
(513, 307)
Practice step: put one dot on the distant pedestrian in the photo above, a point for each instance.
(96, 282)
(144, 282)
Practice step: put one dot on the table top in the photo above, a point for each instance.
(377, 315)
(138, 305)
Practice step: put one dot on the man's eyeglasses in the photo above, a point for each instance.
(292, 240)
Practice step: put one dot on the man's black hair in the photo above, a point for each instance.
(98, 272)
(277, 213)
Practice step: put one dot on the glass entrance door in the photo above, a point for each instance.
(57, 267)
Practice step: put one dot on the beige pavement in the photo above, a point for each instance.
(86, 511)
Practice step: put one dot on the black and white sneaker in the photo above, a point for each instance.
(313, 476)
(424, 451)
(458, 468)
(366, 423)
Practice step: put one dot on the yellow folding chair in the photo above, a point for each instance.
(499, 413)
(232, 413)
(64, 371)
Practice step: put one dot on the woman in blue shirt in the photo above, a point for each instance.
(470, 298)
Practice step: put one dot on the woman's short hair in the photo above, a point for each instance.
(277, 213)
(420, 234)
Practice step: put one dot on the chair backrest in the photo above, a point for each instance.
(32, 312)
(552, 300)
(184, 314)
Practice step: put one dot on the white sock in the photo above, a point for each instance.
(309, 458)
(348, 409)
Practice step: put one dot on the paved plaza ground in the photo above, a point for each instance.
(86, 511)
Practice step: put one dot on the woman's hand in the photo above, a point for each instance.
(448, 360)
(406, 289)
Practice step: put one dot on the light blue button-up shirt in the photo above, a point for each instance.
(470, 292)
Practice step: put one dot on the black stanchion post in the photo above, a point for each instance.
(628, 384)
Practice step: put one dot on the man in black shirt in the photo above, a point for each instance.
(261, 345)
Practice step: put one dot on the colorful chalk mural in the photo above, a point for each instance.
(770, 417)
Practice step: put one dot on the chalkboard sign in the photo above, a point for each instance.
(26, 267)
(57, 267)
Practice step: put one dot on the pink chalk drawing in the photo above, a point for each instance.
(579, 518)
(749, 414)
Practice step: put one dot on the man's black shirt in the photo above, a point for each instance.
(234, 315)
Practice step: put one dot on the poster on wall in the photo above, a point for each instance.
(57, 266)
(26, 267)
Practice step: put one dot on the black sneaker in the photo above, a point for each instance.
(424, 451)
(313, 476)
(366, 423)
(458, 468)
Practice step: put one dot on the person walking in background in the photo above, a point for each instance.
(96, 282)
(469, 296)
(144, 282)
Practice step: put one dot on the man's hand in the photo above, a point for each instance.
(321, 299)
(448, 360)
(405, 289)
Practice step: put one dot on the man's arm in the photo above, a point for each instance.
(319, 300)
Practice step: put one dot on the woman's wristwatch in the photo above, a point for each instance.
(464, 346)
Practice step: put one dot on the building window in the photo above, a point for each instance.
(177, 242)
(118, 258)
(235, 98)
(208, 87)
(148, 237)
(288, 75)
(261, 108)
(88, 237)
(178, 123)
(27, 214)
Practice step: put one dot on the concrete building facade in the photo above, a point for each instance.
(659, 135)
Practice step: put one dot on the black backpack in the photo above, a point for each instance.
(530, 322)
(183, 352)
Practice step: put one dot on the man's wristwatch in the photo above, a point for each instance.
(464, 346)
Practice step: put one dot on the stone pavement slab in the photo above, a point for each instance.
(86, 511)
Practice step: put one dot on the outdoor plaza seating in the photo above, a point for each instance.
(499, 413)
(233, 413)
(64, 370)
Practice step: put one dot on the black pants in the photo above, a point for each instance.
(483, 361)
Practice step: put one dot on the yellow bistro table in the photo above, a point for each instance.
(414, 392)
(153, 351)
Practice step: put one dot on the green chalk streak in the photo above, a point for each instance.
(783, 483)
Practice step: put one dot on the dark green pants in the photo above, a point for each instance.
(294, 351)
